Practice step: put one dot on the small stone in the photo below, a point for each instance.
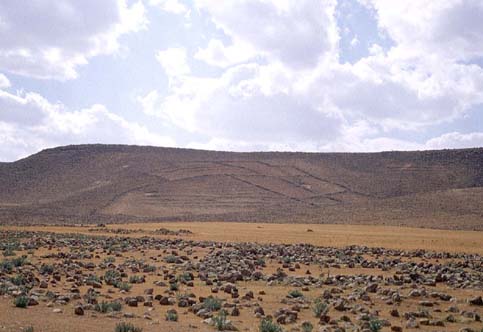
(476, 301)
(79, 311)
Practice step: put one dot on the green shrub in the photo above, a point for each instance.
(8, 252)
(135, 279)
(3, 289)
(112, 277)
(46, 269)
(102, 307)
(267, 325)
(171, 315)
(19, 261)
(170, 259)
(18, 280)
(307, 326)
(6, 266)
(28, 329)
(21, 301)
(90, 297)
(108, 306)
(173, 286)
(185, 277)
(125, 286)
(295, 293)
(320, 307)
(221, 322)
(260, 262)
(375, 325)
(212, 304)
(109, 260)
(150, 268)
(93, 278)
(126, 327)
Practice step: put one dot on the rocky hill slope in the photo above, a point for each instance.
(115, 183)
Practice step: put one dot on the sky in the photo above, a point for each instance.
(241, 75)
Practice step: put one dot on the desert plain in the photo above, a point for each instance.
(210, 276)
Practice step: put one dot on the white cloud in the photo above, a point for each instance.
(170, 6)
(220, 144)
(278, 85)
(452, 28)
(355, 41)
(400, 92)
(250, 100)
(4, 82)
(265, 99)
(456, 140)
(217, 54)
(297, 33)
(50, 39)
(174, 61)
(29, 122)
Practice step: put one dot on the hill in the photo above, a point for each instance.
(116, 183)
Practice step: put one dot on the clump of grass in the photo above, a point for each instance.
(171, 316)
(375, 325)
(19, 261)
(212, 304)
(28, 329)
(18, 280)
(46, 269)
(21, 301)
(8, 252)
(150, 268)
(260, 262)
(295, 294)
(125, 286)
(104, 307)
(6, 266)
(112, 277)
(3, 288)
(109, 260)
(91, 297)
(185, 277)
(221, 323)
(135, 279)
(93, 278)
(320, 307)
(173, 286)
(127, 327)
(170, 259)
(267, 325)
(307, 326)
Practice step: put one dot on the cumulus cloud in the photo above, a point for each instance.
(171, 6)
(297, 33)
(452, 28)
(248, 100)
(29, 122)
(219, 55)
(174, 61)
(51, 39)
(276, 102)
(456, 140)
(268, 75)
(4, 82)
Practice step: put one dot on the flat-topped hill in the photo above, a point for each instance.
(116, 183)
